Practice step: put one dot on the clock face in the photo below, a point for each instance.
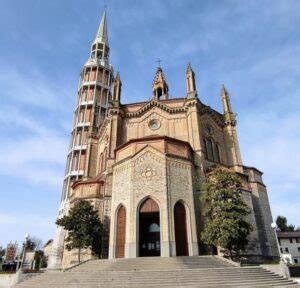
(154, 124)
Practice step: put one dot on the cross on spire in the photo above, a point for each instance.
(158, 62)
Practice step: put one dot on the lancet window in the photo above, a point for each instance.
(212, 150)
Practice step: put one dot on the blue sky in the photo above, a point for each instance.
(253, 47)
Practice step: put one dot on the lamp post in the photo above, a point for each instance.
(274, 226)
(24, 252)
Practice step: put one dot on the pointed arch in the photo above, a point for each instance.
(120, 231)
(217, 153)
(180, 223)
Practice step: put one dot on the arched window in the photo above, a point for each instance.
(104, 159)
(210, 152)
(100, 162)
(205, 148)
(217, 153)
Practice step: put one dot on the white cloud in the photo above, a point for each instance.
(16, 226)
(32, 152)
(33, 88)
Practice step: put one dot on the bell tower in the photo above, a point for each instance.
(93, 98)
(160, 87)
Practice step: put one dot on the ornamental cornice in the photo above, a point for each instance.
(155, 103)
(191, 103)
(217, 118)
(229, 119)
(115, 111)
(230, 123)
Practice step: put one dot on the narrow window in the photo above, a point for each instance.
(205, 148)
(291, 240)
(210, 155)
(217, 153)
(100, 163)
(298, 249)
(159, 92)
(104, 159)
(281, 251)
(286, 250)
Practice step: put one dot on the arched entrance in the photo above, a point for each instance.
(121, 232)
(149, 229)
(180, 230)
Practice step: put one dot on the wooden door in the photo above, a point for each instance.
(121, 233)
(180, 230)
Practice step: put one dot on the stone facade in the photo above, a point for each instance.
(161, 150)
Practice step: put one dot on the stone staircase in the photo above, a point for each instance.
(202, 271)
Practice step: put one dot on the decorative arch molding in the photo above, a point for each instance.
(155, 103)
(149, 206)
(144, 199)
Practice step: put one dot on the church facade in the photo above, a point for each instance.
(142, 165)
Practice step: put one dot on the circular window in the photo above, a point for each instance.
(154, 124)
(208, 130)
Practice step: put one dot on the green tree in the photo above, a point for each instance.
(282, 224)
(224, 213)
(33, 243)
(84, 228)
(2, 253)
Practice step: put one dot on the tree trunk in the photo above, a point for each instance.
(79, 251)
(230, 254)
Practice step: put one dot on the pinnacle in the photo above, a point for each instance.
(102, 31)
(117, 76)
(224, 90)
(189, 67)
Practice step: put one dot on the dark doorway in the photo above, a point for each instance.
(180, 230)
(149, 229)
(121, 233)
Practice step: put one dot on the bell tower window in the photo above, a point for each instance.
(159, 92)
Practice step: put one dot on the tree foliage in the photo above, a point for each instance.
(84, 228)
(2, 253)
(224, 213)
(32, 244)
(282, 224)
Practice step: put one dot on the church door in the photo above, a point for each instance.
(121, 232)
(149, 229)
(180, 230)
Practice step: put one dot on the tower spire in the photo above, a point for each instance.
(190, 82)
(102, 31)
(229, 116)
(225, 100)
(116, 90)
(100, 47)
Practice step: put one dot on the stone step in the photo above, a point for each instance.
(208, 278)
(257, 284)
(165, 273)
(151, 272)
(176, 281)
(155, 276)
